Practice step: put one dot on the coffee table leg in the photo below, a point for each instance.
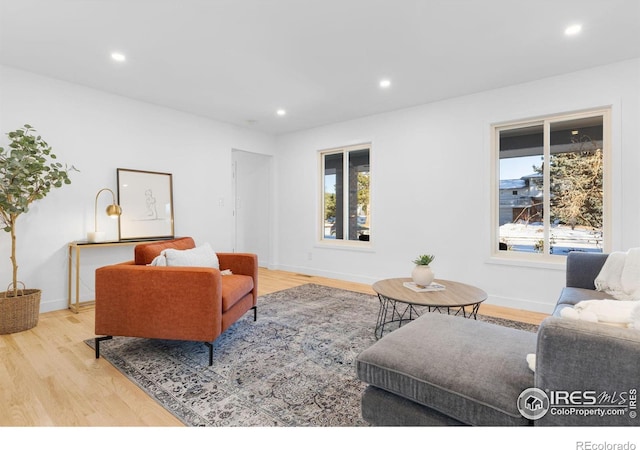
(473, 313)
(391, 312)
(388, 314)
(382, 315)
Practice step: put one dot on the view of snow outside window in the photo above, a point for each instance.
(574, 197)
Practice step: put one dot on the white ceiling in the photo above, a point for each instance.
(238, 61)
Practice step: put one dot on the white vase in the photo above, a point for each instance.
(422, 275)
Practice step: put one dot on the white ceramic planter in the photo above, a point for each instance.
(422, 275)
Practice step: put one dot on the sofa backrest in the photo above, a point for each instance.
(583, 268)
(144, 253)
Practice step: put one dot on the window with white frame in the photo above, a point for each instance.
(346, 202)
(551, 194)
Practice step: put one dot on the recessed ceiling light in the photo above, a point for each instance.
(281, 112)
(573, 29)
(118, 57)
(385, 83)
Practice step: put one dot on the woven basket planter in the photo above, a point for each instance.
(19, 313)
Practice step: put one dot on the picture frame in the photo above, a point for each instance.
(146, 199)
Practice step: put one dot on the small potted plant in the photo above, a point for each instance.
(28, 171)
(422, 275)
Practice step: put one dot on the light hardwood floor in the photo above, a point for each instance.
(50, 377)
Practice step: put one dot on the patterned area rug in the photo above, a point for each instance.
(295, 366)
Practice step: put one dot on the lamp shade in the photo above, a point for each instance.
(114, 210)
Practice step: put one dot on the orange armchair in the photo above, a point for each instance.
(180, 303)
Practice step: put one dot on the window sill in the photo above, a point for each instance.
(357, 246)
(557, 262)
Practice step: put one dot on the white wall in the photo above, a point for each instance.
(98, 133)
(431, 185)
(425, 162)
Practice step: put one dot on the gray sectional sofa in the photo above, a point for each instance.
(447, 370)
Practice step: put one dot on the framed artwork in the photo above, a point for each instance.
(146, 199)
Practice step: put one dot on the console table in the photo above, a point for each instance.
(75, 249)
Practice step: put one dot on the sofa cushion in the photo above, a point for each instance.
(469, 370)
(570, 296)
(234, 289)
(574, 356)
(201, 256)
(382, 408)
(145, 253)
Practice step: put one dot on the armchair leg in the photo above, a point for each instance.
(97, 344)
(255, 313)
(210, 345)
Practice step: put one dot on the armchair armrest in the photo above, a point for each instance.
(241, 264)
(158, 302)
(576, 356)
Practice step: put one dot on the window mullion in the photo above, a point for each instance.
(546, 182)
(345, 196)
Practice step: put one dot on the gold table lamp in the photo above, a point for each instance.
(114, 210)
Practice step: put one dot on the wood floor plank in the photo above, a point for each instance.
(50, 377)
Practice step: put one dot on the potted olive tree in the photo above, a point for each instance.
(28, 171)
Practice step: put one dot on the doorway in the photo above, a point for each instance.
(252, 204)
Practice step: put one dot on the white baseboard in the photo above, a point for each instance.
(327, 274)
(527, 305)
(515, 303)
(53, 305)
